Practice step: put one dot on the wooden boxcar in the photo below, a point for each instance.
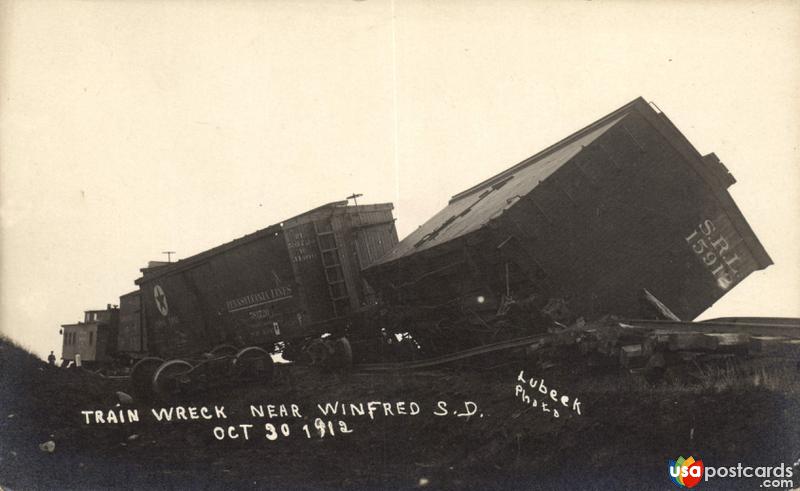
(288, 281)
(624, 205)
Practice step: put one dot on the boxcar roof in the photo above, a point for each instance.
(246, 239)
(472, 209)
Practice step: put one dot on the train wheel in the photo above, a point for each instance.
(224, 350)
(169, 378)
(253, 363)
(142, 376)
(317, 352)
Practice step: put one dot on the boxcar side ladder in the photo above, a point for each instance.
(329, 252)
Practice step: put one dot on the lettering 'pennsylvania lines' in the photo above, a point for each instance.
(259, 298)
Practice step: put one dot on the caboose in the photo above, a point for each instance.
(94, 339)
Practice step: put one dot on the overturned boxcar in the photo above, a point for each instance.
(624, 205)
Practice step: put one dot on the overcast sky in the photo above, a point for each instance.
(131, 128)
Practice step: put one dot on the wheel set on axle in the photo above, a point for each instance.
(253, 364)
(155, 377)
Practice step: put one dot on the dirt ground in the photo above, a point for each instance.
(626, 431)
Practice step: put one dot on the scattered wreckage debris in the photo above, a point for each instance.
(49, 446)
(651, 347)
(643, 346)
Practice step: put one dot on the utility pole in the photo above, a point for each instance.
(169, 255)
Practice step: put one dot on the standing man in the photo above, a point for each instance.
(51, 359)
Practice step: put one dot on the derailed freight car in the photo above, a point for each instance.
(276, 288)
(624, 205)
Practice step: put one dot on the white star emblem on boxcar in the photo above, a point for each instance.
(161, 300)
